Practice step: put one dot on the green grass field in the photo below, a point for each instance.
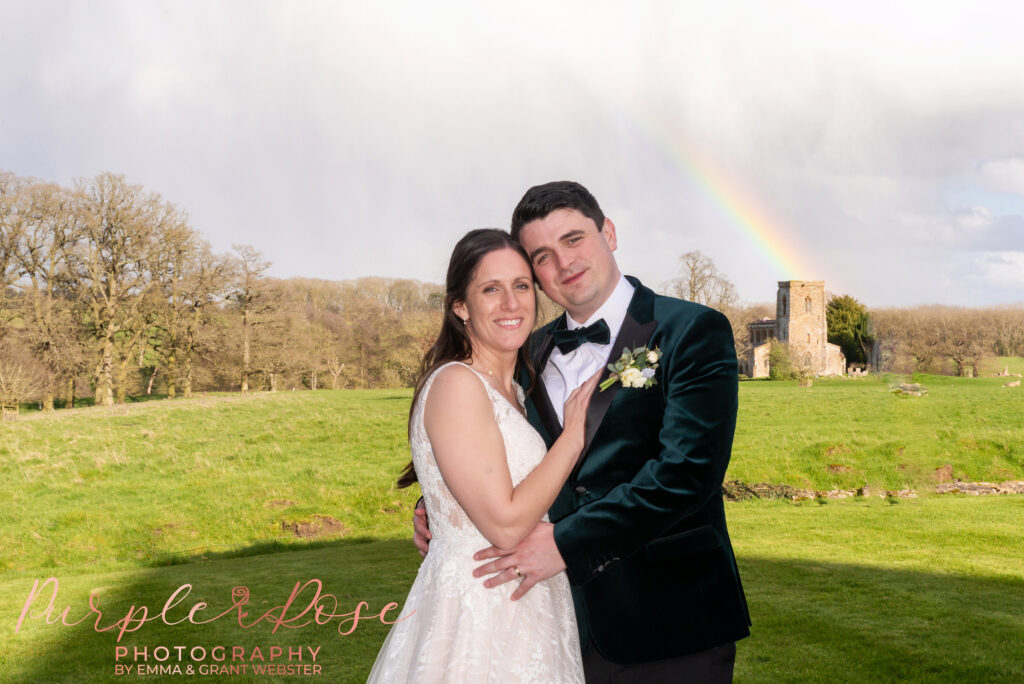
(266, 491)
(845, 433)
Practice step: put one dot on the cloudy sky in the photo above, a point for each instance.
(879, 147)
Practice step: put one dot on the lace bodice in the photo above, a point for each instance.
(455, 630)
(524, 448)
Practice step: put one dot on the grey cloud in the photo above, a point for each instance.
(345, 139)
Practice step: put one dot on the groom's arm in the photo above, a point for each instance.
(700, 376)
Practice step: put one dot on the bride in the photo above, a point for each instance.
(487, 478)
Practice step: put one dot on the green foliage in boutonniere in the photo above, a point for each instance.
(634, 368)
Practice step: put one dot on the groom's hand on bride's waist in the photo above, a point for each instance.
(420, 528)
(534, 559)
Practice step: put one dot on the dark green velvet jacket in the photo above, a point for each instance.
(640, 522)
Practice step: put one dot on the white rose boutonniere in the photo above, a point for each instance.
(634, 368)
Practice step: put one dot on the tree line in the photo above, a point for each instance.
(107, 291)
(946, 339)
(931, 339)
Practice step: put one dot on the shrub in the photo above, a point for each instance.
(21, 380)
(780, 365)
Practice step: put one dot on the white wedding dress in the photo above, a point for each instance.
(461, 631)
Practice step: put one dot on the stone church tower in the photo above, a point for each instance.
(800, 322)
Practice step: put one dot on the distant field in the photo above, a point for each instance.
(995, 364)
(267, 490)
(845, 433)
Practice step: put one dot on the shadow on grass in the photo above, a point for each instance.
(377, 572)
(813, 621)
(818, 621)
(285, 544)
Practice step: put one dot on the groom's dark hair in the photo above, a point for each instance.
(541, 200)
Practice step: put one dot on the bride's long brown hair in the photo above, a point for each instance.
(452, 343)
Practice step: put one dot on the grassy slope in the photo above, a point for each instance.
(158, 483)
(792, 435)
(109, 499)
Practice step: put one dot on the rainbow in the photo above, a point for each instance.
(773, 242)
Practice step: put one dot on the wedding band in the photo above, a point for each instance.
(516, 568)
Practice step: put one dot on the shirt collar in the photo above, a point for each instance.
(613, 311)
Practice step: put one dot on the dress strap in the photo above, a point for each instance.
(437, 371)
(492, 392)
(480, 375)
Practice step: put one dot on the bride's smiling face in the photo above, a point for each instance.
(500, 305)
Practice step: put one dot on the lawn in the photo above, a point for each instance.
(268, 491)
(167, 482)
(845, 433)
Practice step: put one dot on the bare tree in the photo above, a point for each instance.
(12, 228)
(124, 230)
(889, 332)
(334, 367)
(172, 269)
(70, 350)
(740, 317)
(20, 380)
(1007, 330)
(207, 280)
(135, 349)
(940, 339)
(923, 338)
(252, 298)
(52, 231)
(961, 337)
(699, 281)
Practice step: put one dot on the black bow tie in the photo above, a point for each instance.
(567, 340)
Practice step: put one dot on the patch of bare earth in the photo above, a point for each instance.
(944, 473)
(317, 526)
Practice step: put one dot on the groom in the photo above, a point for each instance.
(640, 525)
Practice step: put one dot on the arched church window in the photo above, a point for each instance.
(807, 360)
(807, 305)
(785, 305)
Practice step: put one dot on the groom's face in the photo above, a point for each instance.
(572, 260)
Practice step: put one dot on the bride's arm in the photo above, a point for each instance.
(470, 453)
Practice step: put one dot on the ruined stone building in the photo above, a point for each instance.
(800, 322)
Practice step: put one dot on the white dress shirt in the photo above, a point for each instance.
(565, 372)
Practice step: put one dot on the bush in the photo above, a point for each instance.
(780, 365)
(21, 379)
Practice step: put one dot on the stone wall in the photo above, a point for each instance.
(835, 360)
(756, 363)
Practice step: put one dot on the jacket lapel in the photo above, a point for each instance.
(636, 331)
(540, 397)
